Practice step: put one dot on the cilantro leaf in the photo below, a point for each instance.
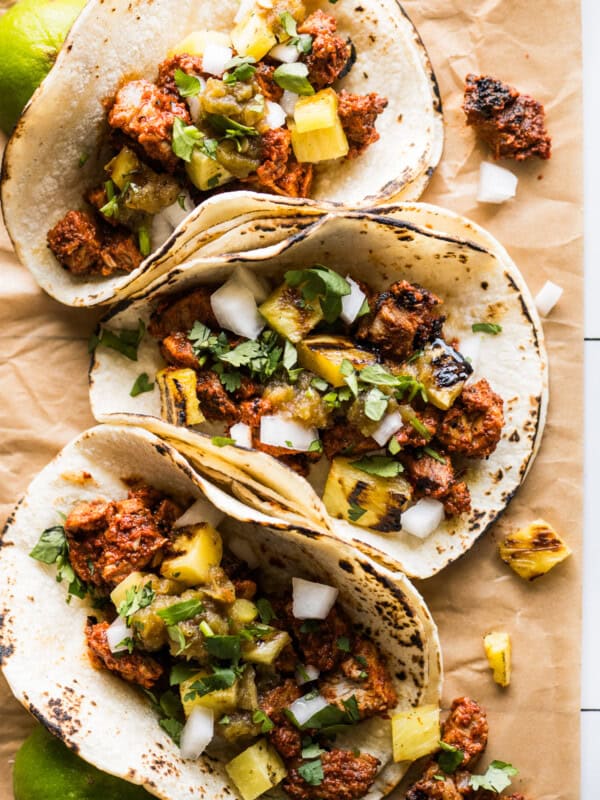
(379, 465)
(185, 138)
(343, 644)
(187, 85)
(450, 758)
(173, 727)
(226, 648)
(316, 446)
(496, 777)
(142, 384)
(355, 512)
(221, 678)
(420, 427)
(229, 128)
(260, 718)
(312, 772)
(311, 749)
(51, 544)
(241, 67)
(434, 454)
(137, 597)
(265, 610)
(294, 78)
(486, 327)
(222, 441)
(125, 341)
(376, 403)
(394, 446)
(179, 612)
(181, 672)
(319, 281)
(125, 644)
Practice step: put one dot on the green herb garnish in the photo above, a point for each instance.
(240, 68)
(180, 612)
(137, 597)
(450, 758)
(225, 648)
(312, 772)
(355, 512)
(294, 78)
(319, 281)
(185, 138)
(486, 327)
(265, 610)
(221, 678)
(144, 241)
(187, 85)
(125, 341)
(142, 384)
(222, 441)
(260, 718)
(496, 778)
(343, 644)
(434, 454)
(379, 465)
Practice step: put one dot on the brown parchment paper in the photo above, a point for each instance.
(535, 45)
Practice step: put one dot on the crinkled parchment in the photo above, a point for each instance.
(534, 45)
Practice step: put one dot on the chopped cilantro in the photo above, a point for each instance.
(125, 341)
(111, 207)
(225, 720)
(376, 403)
(302, 42)
(290, 355)
(240, 68)
(142, 384)
(364, 309)
(144, 241)
(181, 672)
(394, 446)
(83, 159)
(351, 706)
(181, 201)
(125, 644)
(137, 597)
(265, 610)
(53, 548)
(343, 644)
(316, 446)
(486, 327)
(225, 648)
(209, 148)
(450, 758)
(229, 128)
(312, 772)
(349, 373)
(420, 428)
(379, 465)
(185, 138)
(222, 441)
(310, 626)
(320, 384)
(221, 678)
(294, 78)
(173, 727)
(230, 380)
(260, 718)
(179, 612)
(434, 454)
(187, 85)
(319, 281)
(496, 777)
(355, 512)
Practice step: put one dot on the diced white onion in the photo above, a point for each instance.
(548, 297)
(116, 633)
(265, 3)
(303, 709)
(161, 229)
(388, 426)
(288, 102)
(175, 213)
(423, 518)
(275, 116)
(306, 674)
(279, 431)
(243, 550)
(496, 184)
(246, 6)
(197, 732)
(201, 511)
(194, 106)
(241, 434)
(312, 600)
(257, 285)
(235, 308)
(215, 58)
(470, 348)
(352, 303)
(286, 53)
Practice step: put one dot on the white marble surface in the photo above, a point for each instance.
(590, 690)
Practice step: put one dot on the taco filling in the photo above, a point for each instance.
(258, 107)
(269, 674)
(324, 366)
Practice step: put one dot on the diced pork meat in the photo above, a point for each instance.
(142, 670)
(358, 114)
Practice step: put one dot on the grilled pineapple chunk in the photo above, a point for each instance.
(256, 770)
(322, 144)
(206, 172)
(416, 733)
(534, 550)
(498, 651)
(323, 355)
(443, 372)
(243, 612)
(195, 43)
(122, 167)
(222, 701)
(266, 649)
(288, 314)
(316, 111)
(199, 548)
(136, 580)
(366, 500)
(178, 399)
(253, 36)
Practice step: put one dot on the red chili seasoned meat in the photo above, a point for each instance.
(409, 436)
(132, 667)
(316, 640)
(432, 478)
(179, 313)
(358, 114)
(120, 251)
(216, 404)
(403, 320)
(177, 351)
(473, 426)
(512, 124)
(266, 83)
(286, 738)
(363, 675)
(146, 114)
(346, 776)
(330, 55)
(191, 65)
(342, 437)
(245, 588)
(76, 241)
(279, 171)
(108, 540)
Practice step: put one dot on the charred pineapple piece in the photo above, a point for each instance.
(195, 43)
(366, 500)
(289, 315)
(322, 144)
(498, 651)
(256, 770)
(266, 648)
(416, 733)
(253, 36)
(206, 172)
(136, 580)
(198, 550)
(442, 371)
(243, 612)
(534, 550)
(324, 355)
(122, 167)
(179, 403)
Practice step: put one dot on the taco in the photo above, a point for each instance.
(408, 385)
(199, 655)
(104, 174)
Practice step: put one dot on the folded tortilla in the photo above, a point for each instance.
(43, 177)
(450, 256)
(110, 723)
